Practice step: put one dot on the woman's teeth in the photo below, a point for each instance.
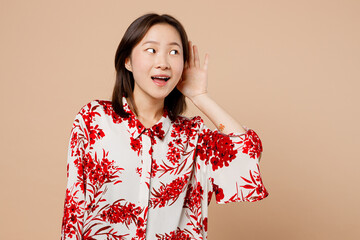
(160, 81)
(161, 78)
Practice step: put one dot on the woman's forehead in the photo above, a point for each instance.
(162, 34)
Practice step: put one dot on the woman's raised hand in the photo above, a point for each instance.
(193, 81)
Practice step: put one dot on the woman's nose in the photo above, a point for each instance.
(162, 62)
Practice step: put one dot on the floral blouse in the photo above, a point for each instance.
(126, 181)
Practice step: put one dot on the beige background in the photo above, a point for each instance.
(287, 69)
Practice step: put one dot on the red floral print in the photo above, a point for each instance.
(205, 223)
(136, 145)
(194, 197)
(138, 171)
(168, 193)
(193, 201)
(252, 144)
(175, 235)
(123, 176)
(154, 168)
(256, 185)
(140, 233)
(217, 148)
(173, 154)
(121, 213)
(219, 192)
(73, 210)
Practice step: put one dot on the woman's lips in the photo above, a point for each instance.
(159, 82)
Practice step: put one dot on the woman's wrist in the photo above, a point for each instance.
(199, 98)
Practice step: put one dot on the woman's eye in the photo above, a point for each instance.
(175, 50)
(151, 49)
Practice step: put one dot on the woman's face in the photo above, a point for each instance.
(160, 52)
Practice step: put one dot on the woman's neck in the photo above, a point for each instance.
(149, 110)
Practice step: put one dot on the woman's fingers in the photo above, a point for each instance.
(191, 56)
(196, 57)
(206, 61)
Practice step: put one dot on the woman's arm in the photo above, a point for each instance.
(193, 84)
(218, 116)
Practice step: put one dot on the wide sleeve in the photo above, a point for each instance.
(74, 206)
(232, 162)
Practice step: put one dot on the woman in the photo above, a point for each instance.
(137, 168)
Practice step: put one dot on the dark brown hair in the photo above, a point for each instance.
(124, 85)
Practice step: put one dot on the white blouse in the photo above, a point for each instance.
(129, 182)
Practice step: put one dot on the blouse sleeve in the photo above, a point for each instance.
(233, 164)
(74, 206)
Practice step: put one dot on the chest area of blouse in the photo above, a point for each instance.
(144, 153)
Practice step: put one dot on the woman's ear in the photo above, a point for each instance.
(128, 64)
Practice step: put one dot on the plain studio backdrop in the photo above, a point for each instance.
(290, 70)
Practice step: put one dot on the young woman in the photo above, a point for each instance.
(137, 168)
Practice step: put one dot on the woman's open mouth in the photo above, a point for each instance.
(160, 80)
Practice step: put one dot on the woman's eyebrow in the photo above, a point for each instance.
(172, 43)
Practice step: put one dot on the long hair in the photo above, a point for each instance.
(124, 84)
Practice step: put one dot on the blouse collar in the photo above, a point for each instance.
(160, 129)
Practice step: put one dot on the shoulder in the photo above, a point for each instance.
(99, 110)
(95, 105)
